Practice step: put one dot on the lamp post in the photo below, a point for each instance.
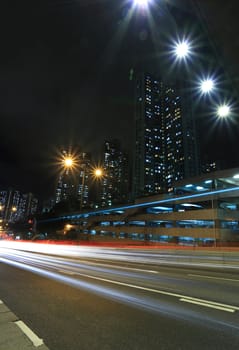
(67, 179)
(1, 216)
(75, 170)
(184, 53)
(12, 213)
(82, 186)
(98, 172)
(68, 162)
(223, 111)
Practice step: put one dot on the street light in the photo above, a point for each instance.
(82, 186)
(98, 172)
(207, 85)
(223, 111)
(68, 162)
(1, 216)
(182, 49)
(141, 3)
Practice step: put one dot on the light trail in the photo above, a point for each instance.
(127, 255)
(72, 266)
(126, 298)
(147, 290)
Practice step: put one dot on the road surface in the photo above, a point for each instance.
(94, 298)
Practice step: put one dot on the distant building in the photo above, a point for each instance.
(115, 183)
(209, 167)
(165, 148)
(28, 206)
(85, 172)
(16, 206)
(73, 182)
(67, 181)
(47, 205)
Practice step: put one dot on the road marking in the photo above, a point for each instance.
(29, 333)
(119, 267)
(67, 272)
(134, 269)
(214, 278)
(1, 302)
(179, 296)
(213, 303)
(207, 305)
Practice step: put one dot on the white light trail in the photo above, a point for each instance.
(127, 255)
(139, 288)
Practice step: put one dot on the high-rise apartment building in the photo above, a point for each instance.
(115, 183)
(73, 181)
(165, 148)
(16, 206)
(85, 174)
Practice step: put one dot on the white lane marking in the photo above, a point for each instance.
(118, 267)
(214, 278)
(121, 267)
(134, 269)
(159, 291)
(213, 303)
(67, 272)
(1, 302)
(207, 305)
(29, 333)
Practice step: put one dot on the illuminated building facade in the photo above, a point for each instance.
(115, 182)
(16, 206)
(73, 182)
(67, 181)
(85, 174)
(165, 148)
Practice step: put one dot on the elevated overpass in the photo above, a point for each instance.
(201, 210)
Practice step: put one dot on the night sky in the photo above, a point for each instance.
(64, 80)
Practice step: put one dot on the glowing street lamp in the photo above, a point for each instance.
(141, 3)
(223, 111)
(68, 162)
(207, 86)
(182, 49)
(98, 172)
(68, 227)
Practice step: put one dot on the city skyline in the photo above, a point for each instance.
(62, 78)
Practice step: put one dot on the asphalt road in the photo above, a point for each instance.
(111, 299)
